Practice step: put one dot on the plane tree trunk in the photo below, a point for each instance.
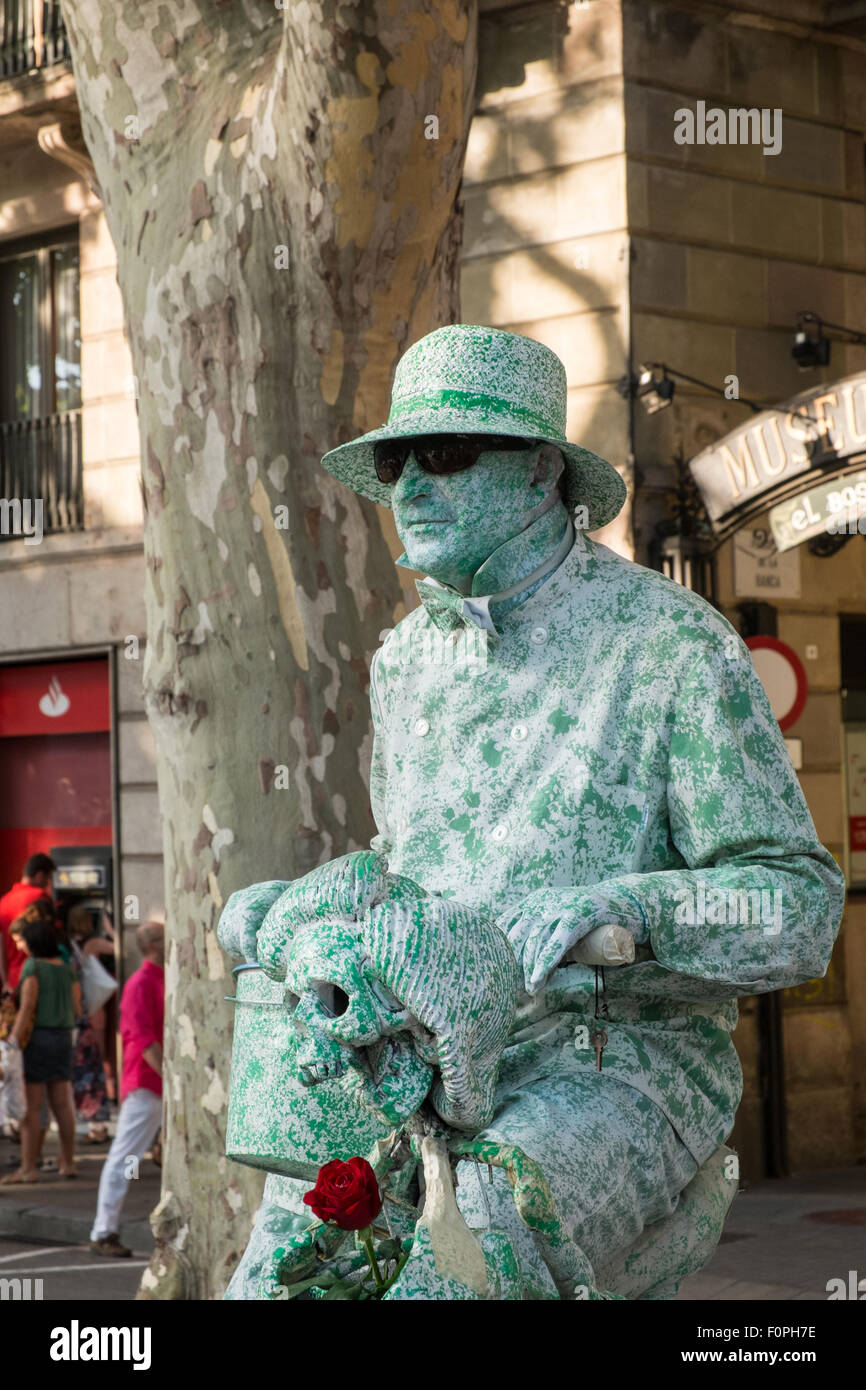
(286, 221)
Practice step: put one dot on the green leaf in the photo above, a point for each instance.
(344, 1291)
(398, 1270)
(389, 1249)
(296, 1269)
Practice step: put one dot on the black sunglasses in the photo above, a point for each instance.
(440, 454)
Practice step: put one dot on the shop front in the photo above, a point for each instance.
(785, 495)
(55, 747)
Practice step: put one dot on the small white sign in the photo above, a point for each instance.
(760, 571)
(795, 752)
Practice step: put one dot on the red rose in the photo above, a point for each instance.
(346, 1194)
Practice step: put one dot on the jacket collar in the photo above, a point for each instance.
(448, 609)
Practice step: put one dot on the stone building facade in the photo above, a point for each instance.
(590, 226)
(78, 595)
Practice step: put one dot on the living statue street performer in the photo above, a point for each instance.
(573, 759)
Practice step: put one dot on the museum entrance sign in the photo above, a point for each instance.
(783, 452)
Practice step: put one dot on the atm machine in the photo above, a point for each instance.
(83, 876)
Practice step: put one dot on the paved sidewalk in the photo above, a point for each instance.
(773, 1248)
(61, 1212)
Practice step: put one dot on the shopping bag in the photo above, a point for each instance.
(97, 984)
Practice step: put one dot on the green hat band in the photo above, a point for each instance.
(468, 379)
(471, 401)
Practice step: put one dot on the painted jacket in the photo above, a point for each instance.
(612, 757)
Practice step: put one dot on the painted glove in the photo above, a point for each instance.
(342, 887)
(551, 921)
(244, 913)
(452, 969)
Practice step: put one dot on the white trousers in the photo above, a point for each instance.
(137, 1126)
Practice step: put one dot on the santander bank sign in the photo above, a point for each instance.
(63, 697)
(55, 702)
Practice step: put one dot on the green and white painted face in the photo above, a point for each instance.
(450, 525)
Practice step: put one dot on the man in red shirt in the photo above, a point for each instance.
(35, 883)
(140, 1118)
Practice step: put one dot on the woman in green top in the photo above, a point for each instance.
(49, 1003)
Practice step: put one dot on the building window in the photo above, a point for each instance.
(31, 36)
(40, 386)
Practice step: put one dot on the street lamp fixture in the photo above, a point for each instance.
(810, 347)
(655, 393)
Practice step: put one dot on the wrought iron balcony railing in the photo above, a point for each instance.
(31, 36)
(40, 460)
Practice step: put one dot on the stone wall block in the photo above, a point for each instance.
(106, 599)
(764, 365)
(686, 205)
(592, 347)
(813, 1116)
(824, 799)
(140, 830)
(564, 277)
(137, 754)
(35, 607)
(679, 47)
(776, 221)
(726, 286)
(700, 349)
(581, 200)
(802, 630)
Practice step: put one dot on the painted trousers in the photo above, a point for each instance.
(611, 1158)
(137, 1126)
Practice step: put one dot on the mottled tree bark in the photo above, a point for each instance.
(284, 228)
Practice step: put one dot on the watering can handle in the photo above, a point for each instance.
(606, 945)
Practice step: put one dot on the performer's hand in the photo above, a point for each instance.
(343, 886)
(244, 913)
(550, 923)
(453, 970)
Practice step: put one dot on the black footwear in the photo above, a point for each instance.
(110, 1245)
